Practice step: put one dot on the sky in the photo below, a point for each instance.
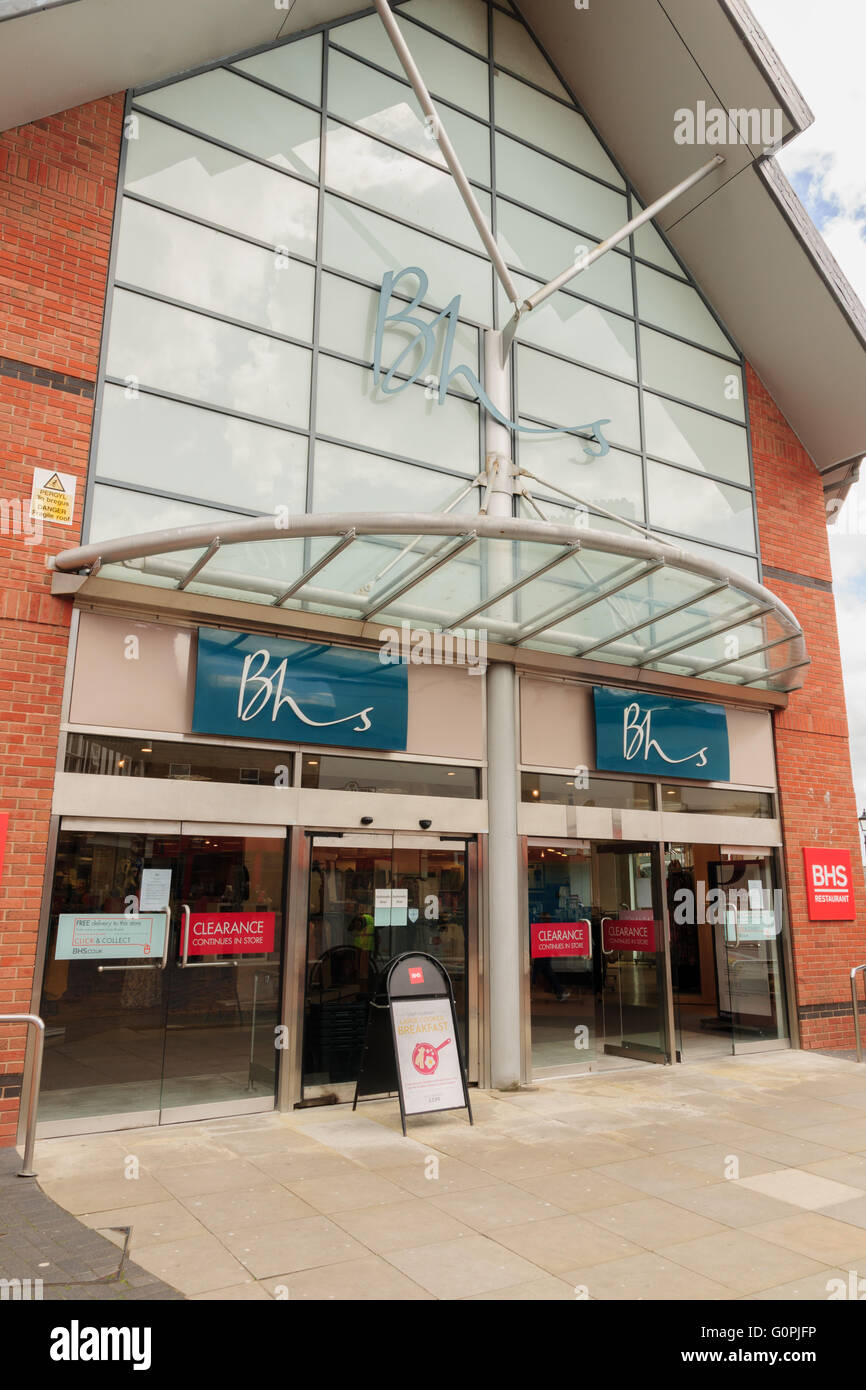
(822, 47)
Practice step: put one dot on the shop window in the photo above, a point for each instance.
(450, 73)
(543, 248)
(221, 227)
(199, 453)
(399, 185)
(194, 176)
(177, 762)
(545, 788)
(387, 107)
(347, 406)
(573, 328)
(695, 440)
(542, 183)
(205, 360)
(208, 269)
(220, 105)
(333, 773)
(701, 507)
(718, 801)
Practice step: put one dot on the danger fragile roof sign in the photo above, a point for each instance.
(53, 496)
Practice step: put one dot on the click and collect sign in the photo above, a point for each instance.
(829, 885)
(250, 686)
(100, 937)
(654, 734)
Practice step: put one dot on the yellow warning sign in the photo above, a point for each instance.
(53, 496)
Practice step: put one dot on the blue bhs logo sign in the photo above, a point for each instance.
(250, 686)
(660, 736)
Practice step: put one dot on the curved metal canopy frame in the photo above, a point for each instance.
(524, 583)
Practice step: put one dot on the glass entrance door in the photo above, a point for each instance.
(726, 941)
(634, 997)
(222, 981)
(748, 947)
(597, 966)
(161, 987)
(372, 897)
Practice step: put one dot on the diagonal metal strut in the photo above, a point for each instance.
(412, 71)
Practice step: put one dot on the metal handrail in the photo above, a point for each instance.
(35, 1079)
(854, 973)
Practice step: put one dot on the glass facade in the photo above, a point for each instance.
(263, 202)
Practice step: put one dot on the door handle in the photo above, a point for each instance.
(588, 934)
(151, 965)
(185, 964)
(603, 951)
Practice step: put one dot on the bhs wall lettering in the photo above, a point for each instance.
(594, 443)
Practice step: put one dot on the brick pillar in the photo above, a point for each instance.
(58, 182)
(812, 750)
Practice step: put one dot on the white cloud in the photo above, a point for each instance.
(822, 48)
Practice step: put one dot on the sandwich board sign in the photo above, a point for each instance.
(411, 1045)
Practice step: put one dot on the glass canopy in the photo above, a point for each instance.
(624, 600)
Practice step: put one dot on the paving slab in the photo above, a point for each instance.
(734, 1178)
(39, 1240)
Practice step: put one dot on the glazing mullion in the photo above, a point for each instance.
(317, 296)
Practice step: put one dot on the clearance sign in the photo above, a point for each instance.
(829, 885)
(230, 933)
(560, 939)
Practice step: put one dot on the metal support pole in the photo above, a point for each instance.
(505, 955)
(603, 247)
(632, 226)
(34, 1065)
(503, 913)
(413, 73)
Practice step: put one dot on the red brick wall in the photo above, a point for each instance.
(812, 749)
(57, 190)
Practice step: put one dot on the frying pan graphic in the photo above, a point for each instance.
(425, 1057)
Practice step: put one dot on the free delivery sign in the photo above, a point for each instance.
(829, 885)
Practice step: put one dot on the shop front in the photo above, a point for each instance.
(344, 411)
(656, 927)
(219, 914)
(154, 1016)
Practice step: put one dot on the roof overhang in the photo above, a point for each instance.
(632, 63)
(743, 232)
(635, 603)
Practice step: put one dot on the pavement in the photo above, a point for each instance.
(54, 1257)
(742, 1178)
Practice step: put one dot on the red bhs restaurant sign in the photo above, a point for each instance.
(560, 939)
(829, 885)
(230, 933)
(631, 931)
